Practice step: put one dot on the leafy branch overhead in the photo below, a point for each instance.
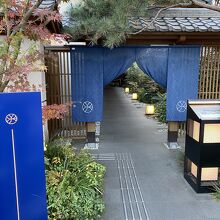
(107, 20)
(21, 20)
(24, 26)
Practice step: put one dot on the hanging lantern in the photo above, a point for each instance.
(150, 109)
(126, 90)
(134, 96)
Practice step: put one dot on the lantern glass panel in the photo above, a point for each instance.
(127, 90)
(211, 133)
(193, 129)
(194, 169)
(150, 109)
(209, 174)
(134, 96)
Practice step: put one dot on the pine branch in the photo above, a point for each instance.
(158, 13)
(108, 20)
(204, 5)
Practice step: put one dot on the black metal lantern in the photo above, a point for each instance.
(202, 150)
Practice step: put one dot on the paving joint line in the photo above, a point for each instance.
(139, 189)
(135, 196)
(128, 191)
(131, 188)
(132, 198)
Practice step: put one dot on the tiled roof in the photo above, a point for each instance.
(48, 4)
(179, 20)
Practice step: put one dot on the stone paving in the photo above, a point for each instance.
(144, 179)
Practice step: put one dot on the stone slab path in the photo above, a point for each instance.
(144, 180)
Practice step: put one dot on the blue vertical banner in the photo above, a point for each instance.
(22, 172)
(87, 83)
(182, 80)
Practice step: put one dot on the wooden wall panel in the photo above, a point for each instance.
(58, 85)
(209, 77)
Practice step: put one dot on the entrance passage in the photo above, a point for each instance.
(141, 172)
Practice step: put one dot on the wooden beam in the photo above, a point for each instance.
(204, 38)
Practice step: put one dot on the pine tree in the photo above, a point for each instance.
(107, 20)
(104, 19)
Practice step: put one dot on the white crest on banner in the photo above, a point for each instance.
(11, 119)
(87, 107)
(181, 106)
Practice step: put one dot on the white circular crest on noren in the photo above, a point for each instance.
(181, 106)
(87, 107)
(11, 119)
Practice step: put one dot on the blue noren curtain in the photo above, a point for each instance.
(174, 68)
(182, 80)
(153, 62)
(87, 84)
(116, 62)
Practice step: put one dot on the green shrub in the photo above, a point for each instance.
(148, 91)
(160, 110)
(139, 82)
(217, 191)
(74, 183)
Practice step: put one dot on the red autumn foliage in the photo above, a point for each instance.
(55, 111)
(21, 20)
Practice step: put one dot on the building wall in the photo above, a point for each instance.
(38, 78)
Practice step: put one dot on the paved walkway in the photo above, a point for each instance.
(144, 180)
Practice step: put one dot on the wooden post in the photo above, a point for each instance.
(90, 130)
(172, 137)
(91, 137)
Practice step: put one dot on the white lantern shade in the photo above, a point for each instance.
(194, 169)
(126, 90)
(211, 133)
(134, 96)
(150, 110)
(207, 174)
(193, 129)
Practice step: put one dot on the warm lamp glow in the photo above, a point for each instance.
(207, 174)
(193, 129)
(134, 96)
(150, 110)
(194, 169)
(196, 130)
(211, 133)
(126, 90)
